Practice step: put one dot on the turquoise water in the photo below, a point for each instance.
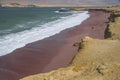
(20, 26)
(13, 20)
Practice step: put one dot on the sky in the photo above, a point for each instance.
(65, 1)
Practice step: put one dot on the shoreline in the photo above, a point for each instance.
(17, 40)
(53, 50)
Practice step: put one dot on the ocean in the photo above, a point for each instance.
(20, 26)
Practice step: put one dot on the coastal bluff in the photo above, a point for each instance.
(97, 59)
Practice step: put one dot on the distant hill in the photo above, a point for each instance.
(28, 3)
(85, 1)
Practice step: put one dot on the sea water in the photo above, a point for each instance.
(20, 26)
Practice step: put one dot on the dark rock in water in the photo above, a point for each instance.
(64, 10)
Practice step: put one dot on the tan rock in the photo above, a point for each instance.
(98, 60)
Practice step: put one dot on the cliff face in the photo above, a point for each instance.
(114, 26)
(96, 59)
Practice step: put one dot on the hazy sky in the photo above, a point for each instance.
(65, 1)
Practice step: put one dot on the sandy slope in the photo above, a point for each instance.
(97, 60)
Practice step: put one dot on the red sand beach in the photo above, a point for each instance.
(53, 52)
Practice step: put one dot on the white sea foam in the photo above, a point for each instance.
(11, 42)
(68, 12)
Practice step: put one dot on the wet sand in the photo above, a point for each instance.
(53, 52)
